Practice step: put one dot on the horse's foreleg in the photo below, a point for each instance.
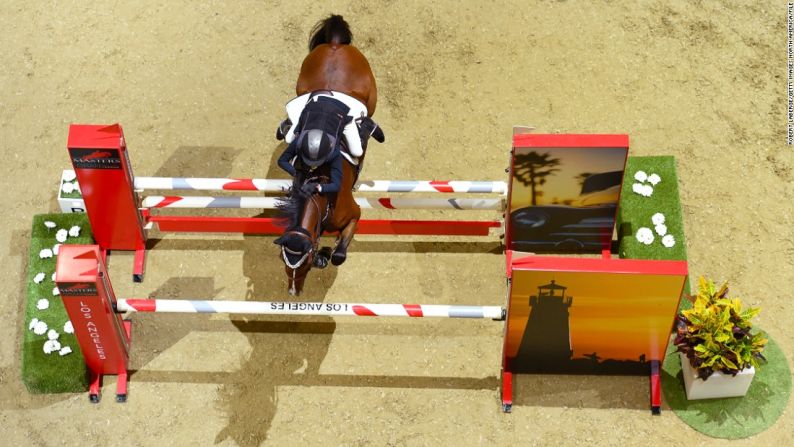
(343, 241)
(322, 257)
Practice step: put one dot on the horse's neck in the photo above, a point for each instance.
(313, 211)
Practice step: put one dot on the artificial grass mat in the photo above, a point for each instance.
(734, 417)
(635, 211)
(51, 373)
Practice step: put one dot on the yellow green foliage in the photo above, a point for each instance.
(715, 333)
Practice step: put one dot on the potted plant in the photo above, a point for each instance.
(718, 352)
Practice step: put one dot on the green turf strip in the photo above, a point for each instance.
(734, 417)
(51, 373)
(635, 210)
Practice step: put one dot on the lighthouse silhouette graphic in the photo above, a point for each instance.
(546, 344)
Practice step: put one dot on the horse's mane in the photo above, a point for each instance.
(291, 208)
(332, 29)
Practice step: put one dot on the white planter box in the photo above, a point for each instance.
(68, 204)
(718, 384)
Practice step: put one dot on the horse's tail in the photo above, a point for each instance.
(334, 29)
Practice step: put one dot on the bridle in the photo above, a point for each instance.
(303, 233)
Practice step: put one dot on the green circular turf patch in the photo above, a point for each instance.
(734, 417)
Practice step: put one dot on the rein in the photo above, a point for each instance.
(304, 234)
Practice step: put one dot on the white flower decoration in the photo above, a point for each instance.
(45, 253)
(69, 175)
(38, 278)
(657, 219)
(61, 235)
(647, 190)
(68, 328)
(67, 188)
(42, 304)
(645, 235)
(53, 277)
(40, 328)
(65, 350)
(74, 231)
(668, 241)
(637, 188)
(33, 324)
(653, 179)
(56, 249)
(661, 229)
(52, 334)
(55, 291)
(49, 224)
(640, 176)
(51, 346)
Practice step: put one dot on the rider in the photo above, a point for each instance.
(314, 140)
(316, 123)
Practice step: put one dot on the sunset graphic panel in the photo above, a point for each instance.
(589, 321)
(564, 198)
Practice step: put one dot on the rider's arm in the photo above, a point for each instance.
(286, 158)
(336, 177)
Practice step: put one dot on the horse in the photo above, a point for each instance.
(332, 64)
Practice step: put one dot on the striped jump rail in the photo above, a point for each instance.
(364, 203)
(265, 185)
(303, 308)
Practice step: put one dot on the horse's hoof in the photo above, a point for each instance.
(338, 258)
(320, 262)
(321, 259)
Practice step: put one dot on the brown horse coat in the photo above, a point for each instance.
(340, 68)
(337, 66)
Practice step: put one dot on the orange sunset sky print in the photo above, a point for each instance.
(616, 316)
(564, 184)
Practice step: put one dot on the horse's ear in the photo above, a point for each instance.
(280, 240)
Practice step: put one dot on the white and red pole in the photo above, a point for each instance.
(303, 308)
(268, 185)
(365, 203)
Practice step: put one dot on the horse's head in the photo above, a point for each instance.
(302, 214)
(297, 252)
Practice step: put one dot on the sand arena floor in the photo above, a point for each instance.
(199, 88)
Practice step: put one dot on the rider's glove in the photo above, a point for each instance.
(310, 188)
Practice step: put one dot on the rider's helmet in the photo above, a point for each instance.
(315, 148)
